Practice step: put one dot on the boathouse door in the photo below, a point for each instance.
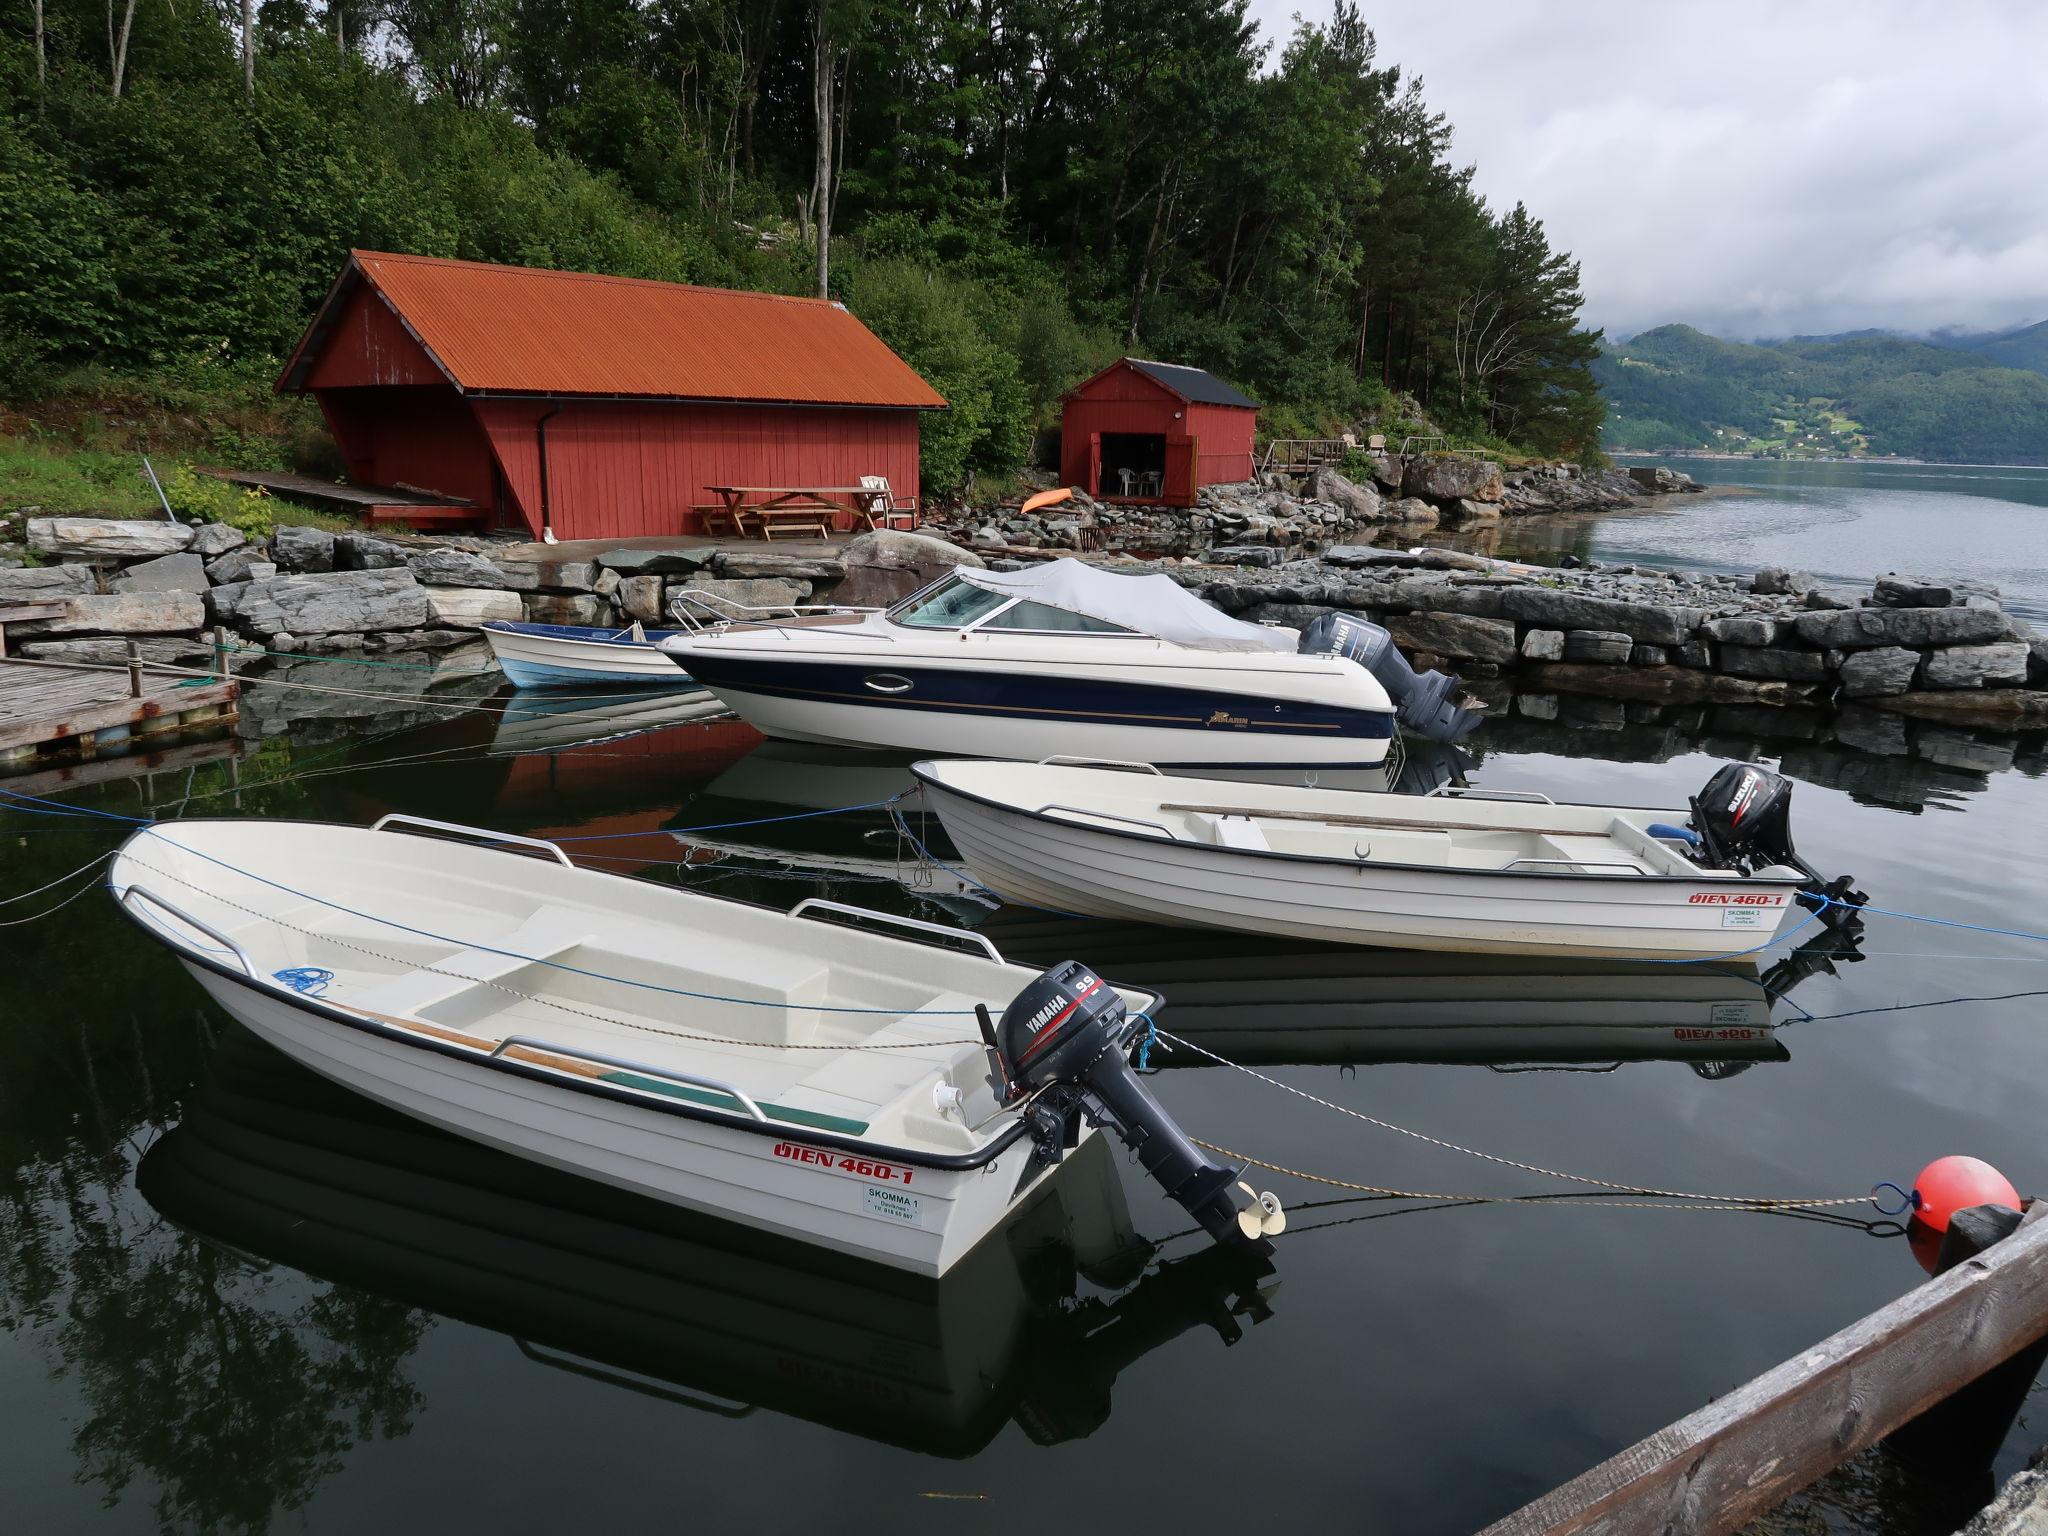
(1179, 487)
(1094, 464)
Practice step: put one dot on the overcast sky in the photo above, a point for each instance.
(1753, 169)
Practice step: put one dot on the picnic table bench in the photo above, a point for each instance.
(801, 510)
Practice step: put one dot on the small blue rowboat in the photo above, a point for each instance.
(550, 655)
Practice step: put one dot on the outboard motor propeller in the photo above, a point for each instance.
(1424, 702)
(1743, 821)
(1065, 1039)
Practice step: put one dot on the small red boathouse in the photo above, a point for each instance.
(596, 407)
(1155, 432)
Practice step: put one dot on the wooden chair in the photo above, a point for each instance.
(877, 504)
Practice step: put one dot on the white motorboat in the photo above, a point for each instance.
(554, 655)
(821, 1081)
(1443, 871)
(1070, 659)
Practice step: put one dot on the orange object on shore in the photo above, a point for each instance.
(1050, 498)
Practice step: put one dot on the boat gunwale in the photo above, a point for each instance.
(917, 770)
(564, 634)
(961, 1162)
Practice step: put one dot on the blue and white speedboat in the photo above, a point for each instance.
(1065, 659)
(551, 655)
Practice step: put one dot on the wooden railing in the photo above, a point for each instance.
(1292, 455)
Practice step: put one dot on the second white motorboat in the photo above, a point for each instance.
(1524, 876)
(1069, 659)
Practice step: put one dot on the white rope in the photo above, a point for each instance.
(88, 864)
(1508, 1162)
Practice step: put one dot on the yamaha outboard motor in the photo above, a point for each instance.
(1065, 1039)
(1424, 702)
(1742, 821)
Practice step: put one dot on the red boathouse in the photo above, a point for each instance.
(1155, 432)
(597, 407)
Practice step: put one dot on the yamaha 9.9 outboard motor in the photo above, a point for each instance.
(1065, 1039)
(1427, 703)
(1743, 822)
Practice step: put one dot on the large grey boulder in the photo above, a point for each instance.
(1454, 634)
(1776, 581)
(757, 592)
(473, 607)
(342, 602)
(1452, 477)
(216, 539)
(1910, 592)
(2037, 660)
(1742, 629)
(166, 573)
(641, 598)
(244, 564)
(1774, 661)
(366, 552)
(296, 547)
(112, 651)
(1466, 510)
(566, 608)
(1875, 673)
(887, 564)
(1915, 628)
(35, 582)
(1597, 645)
(441, 567)
(753, 563)
(1357, 503)
(552, 575)
(107, 538)
(1543, 645)
(121, 613)
(1977, 666)
(1550, 608)
(656, 562)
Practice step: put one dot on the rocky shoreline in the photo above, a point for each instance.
(1932, 649)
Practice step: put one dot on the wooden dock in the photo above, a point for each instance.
(1948, 1362)
(377, 503)
(49, 710)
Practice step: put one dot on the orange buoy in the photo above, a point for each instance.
(1951, 1184)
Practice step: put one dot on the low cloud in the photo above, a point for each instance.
(1755, 170)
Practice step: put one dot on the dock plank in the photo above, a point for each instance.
(44, 704)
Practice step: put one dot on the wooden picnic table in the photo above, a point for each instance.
(795, 508)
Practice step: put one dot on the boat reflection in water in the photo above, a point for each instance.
(542, 722)
(1033, 1326)
(1268, 1003)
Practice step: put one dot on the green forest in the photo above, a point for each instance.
(1010, 192)
(1961, 399)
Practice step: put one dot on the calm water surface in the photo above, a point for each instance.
(1842, 522)
(235, 1299)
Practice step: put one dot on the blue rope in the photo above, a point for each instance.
(575, 970)
(1938, 922)
(309, 979)
(23, 802)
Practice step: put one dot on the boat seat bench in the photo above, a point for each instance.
(864, 1083)
(547, 935)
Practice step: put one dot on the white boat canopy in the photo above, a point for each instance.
(1150, 604)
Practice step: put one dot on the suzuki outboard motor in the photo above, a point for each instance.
(1424, 702)
(1743, 821)
(1065, 1039)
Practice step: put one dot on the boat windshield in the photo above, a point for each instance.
(952, 606)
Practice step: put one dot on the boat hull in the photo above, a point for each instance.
(919, 1219)
(554, 656)
(1033, 715)
(1054, 863)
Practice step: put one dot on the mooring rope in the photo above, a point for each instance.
(1752, 1201)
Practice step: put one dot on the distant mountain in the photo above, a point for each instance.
(1981, 399)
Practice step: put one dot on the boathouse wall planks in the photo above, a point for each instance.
(1743, 1454)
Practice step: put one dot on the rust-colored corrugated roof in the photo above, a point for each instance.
(526, 330)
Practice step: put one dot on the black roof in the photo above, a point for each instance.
(1193, 384)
